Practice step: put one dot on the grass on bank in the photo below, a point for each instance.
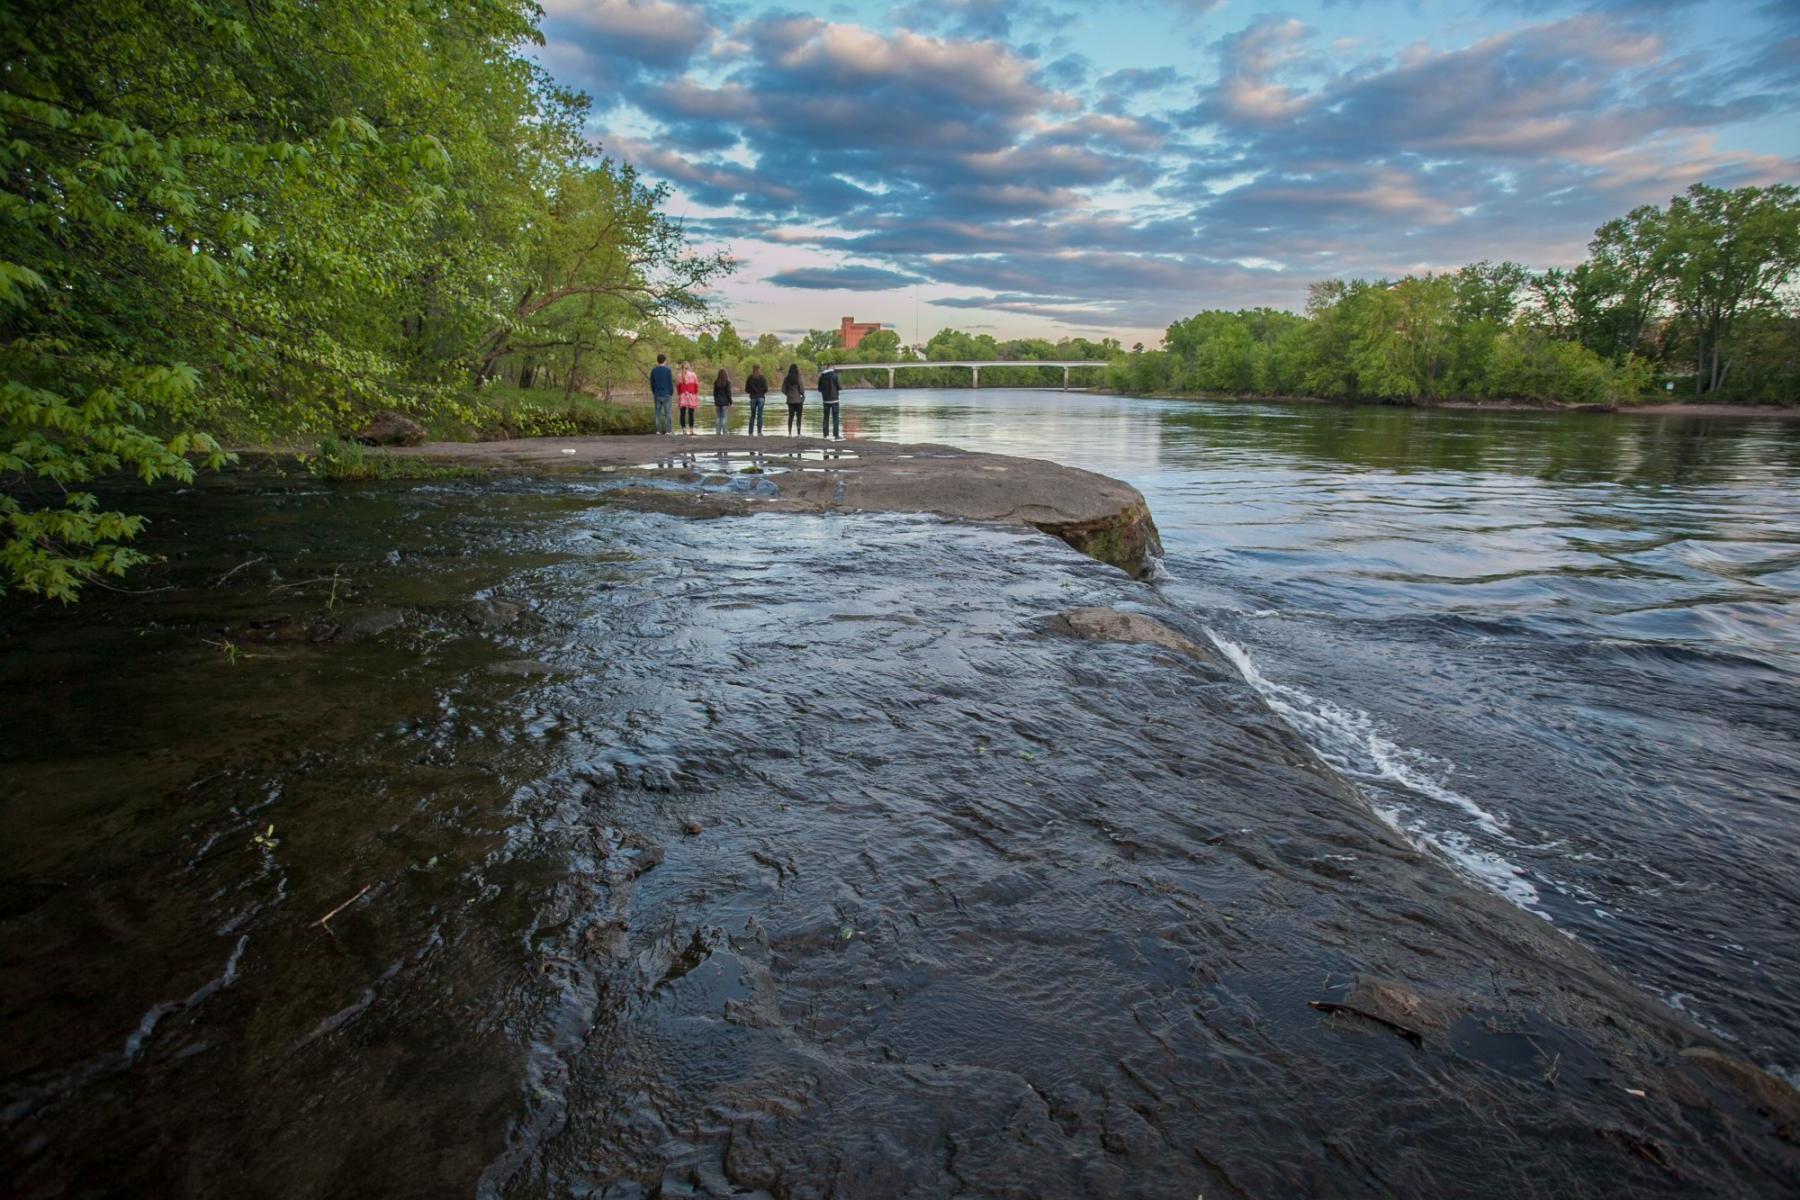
(500, 411)
(347, 459)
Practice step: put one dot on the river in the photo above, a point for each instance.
(1562, 650)
(420, 839)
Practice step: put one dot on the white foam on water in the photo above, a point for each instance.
(1348, 740)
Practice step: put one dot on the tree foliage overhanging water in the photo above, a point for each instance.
(235, 222)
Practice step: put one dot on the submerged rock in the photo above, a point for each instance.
(493, 614)
(343, 627)
(676, 503)
(522, 668)
(361, 626)
(1111, 625)
(1766, 1094)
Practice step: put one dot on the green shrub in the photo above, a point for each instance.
(347, 459)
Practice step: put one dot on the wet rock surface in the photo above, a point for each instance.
(1101, 517)
(1112, 625)
(1016, 896)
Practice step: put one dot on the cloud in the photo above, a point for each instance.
(942, 151)
(989, 19)
(612, 45)
(1435, 156)
(850, 279)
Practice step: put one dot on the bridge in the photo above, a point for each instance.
(974, 365)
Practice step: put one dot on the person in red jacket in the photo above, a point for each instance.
(688, 390)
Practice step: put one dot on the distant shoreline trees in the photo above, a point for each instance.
(1700, 295)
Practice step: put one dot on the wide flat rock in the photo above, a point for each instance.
(1094, 513)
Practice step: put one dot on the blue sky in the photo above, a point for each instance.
(1041, 167)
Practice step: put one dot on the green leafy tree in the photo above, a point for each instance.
(1733, 254)
(265, 219)
(820, 345)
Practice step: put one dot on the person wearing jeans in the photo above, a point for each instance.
(662, 393)
(722, 401)
(757, 388)
(828, 394)
(795, 391)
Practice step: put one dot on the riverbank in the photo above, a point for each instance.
(1770, 411)
(1097, 515)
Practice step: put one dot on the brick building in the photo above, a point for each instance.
(854, 332)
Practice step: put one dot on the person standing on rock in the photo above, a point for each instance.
(722, 401)
(689, 391)
(662, 393)
(795, 391)
(828, 395)
(757, 388)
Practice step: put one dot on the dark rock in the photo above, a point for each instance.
(274, 631)
(1401, 1005)
(493, 614)
(1127, 539)
(692, 827)
(676, 503)
(392, 429)
(523, 668)
(359, 627)
(1111, 625)
(1769, 1095)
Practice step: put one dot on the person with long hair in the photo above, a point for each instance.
(722, 401)
(828, 403)
(757, 388)
(688, 389)
(795, 391)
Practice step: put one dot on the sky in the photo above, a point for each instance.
(1044, 168)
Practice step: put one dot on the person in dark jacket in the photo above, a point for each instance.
(757, 388)
(722, 400)
(662, 392)
(828, 394)
(795, 391)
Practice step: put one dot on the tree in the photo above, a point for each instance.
(1619, 290)
(277, 216)
(820, 345)
(606, 268)
(1731, 253)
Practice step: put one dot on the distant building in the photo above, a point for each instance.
(854, 332)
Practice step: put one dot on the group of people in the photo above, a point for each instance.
(682, 393)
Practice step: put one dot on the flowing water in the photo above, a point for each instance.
(1562, 650)
(427, 839)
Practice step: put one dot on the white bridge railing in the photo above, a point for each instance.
(974, 365)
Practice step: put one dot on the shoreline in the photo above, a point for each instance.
(1102, 517)
(1741, 411)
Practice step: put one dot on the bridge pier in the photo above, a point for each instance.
(1065, 379)
(890, 379)
(977, 371)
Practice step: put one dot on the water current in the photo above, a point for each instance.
(1562, 650)
(478, 836)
